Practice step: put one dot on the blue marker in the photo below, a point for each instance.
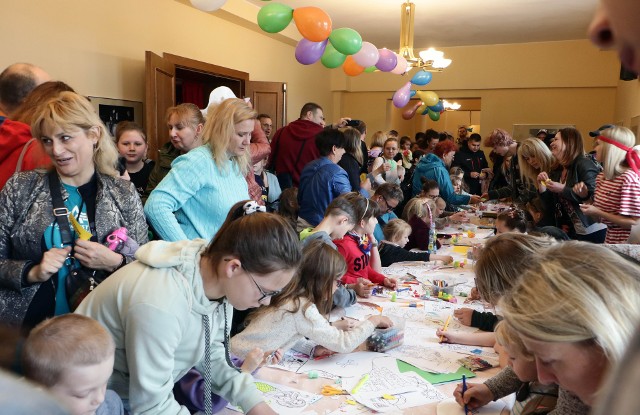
(464, 389)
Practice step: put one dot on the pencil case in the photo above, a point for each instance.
(386, 339)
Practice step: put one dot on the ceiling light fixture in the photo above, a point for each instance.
(450, 106)
(430, 60)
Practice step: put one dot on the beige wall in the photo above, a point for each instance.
(628, 105)
(536, 83)
(98, 46)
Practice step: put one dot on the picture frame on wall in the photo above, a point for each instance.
(112, 111)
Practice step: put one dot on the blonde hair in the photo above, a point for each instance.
(418, 207)
(614, 159)
(508, 337)
(576, 292)
(187, 113)
(501, 262)
(220, 128)
(352, 143)
(378, 139)
(61, 342)
(394, 229)
(534, 147)
(70, 111)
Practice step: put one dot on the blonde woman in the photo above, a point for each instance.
(185, 123)
(377, 142)
(193, 199)
(576, 323)
(617, 196)
(534, 157)
(35, 256)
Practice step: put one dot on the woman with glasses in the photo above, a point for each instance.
(39, 250)
(171, 310)
(303, 308)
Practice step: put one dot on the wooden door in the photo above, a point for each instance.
(159, 96)
(269, 98)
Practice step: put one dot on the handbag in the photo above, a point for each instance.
(80, 281)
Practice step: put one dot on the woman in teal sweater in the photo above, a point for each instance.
(193, 199)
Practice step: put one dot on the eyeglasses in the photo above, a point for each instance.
(389, 207)
(264, 294)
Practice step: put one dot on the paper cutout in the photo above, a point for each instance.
(346, 365)
(291, 361)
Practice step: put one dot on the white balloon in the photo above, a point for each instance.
(208, 5)
(401, 67)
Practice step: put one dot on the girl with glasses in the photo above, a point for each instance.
(171, 310)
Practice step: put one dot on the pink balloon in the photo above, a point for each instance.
(367, 56)
(401, 66)
(402, 96)
(387, 60)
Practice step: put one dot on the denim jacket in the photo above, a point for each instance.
(25, 212)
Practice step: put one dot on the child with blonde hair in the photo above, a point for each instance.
(302, 310)
(72, 356)
(532, 397)
(420, 214)
(396, 236)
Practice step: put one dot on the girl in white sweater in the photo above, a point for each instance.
(301, 310)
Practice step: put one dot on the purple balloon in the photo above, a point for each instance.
(387, 60)
(308, 52)
(402, 96)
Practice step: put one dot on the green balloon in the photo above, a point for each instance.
(435, 116)
(346, 41)
(331, 57)
(371, 68)
(274, 17)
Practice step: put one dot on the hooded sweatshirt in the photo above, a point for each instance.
(287, 152)
(432, 167)
(13, 137)
(154, 310)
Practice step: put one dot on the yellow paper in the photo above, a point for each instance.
(80, 231)
(461, 249)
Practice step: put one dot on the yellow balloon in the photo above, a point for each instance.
(421, 108)
(430, 98)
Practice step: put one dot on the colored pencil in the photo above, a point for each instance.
(446, 324)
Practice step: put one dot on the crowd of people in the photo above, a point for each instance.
(172, 280)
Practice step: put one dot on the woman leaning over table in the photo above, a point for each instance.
(34, 263)
(617, 195)
(557, 192)
(575, 309)
(192, 201)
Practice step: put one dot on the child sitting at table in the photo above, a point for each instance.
(420, 214)
(512, 220)
(301, 310)
(360, 250)
(396, 236)
(339, 218)
(72, 356)
(532, 397)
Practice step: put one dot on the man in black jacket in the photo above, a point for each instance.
(473, 161)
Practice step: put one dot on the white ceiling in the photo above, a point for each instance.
(459, 22)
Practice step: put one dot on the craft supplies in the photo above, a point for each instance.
(394, 296)
(330, 390)
(475, 363)
(446, 324)
(386, 339)
(412, 304)
(360, 383)
(464, 389)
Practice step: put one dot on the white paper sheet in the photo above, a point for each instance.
(451, 407)
(283, 399)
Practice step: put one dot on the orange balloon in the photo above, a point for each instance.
(351, 68)
(313, 23)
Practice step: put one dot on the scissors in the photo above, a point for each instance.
(328, 390)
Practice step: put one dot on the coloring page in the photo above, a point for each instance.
(292, 361)
(451, 407)
(383, 379)
(430, 360)
(346, 365)
(283, 399)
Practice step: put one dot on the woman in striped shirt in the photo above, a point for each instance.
(616, 201)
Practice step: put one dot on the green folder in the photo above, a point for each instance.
(436, 378)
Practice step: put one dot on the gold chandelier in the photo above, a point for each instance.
(430, 60)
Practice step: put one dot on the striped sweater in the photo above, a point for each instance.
(620, 196)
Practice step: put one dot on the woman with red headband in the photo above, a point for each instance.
(617, 197)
